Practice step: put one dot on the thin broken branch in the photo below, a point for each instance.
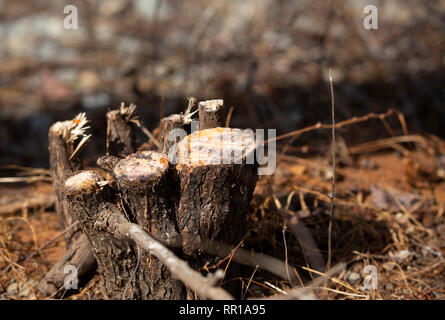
(179, 268)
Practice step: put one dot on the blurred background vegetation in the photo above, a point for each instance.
(268, 59)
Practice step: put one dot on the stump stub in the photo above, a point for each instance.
(144, 180)
(140, 169)
(121, 137)
(212, 114)
(216, 186)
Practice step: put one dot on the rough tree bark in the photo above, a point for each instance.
(144, 182)
(203, 197)
(204, 287)
(174, 121)
(118, 262)
(62, 136)
(216, 186)
(61, 168)
(212, 114)
(114, 237)
(121, 131)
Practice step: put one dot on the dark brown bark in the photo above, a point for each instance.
(130, 273)
(212, 114)
(78, 252)
(117, 259)
(204, 287)
(120, 134)
(214, 197)
(144, 181)
(174, 121)
(61, 167)
(204, 198)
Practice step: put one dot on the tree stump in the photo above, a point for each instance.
(61, 167)
(212, 114)
(144, 181)
(121, 132)
(203, 197)
(216, 185)
(174, 121)
(62, 145)
(118, 264)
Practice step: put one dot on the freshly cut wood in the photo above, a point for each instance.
(143, 179)
(217, 178)
(212, 114)
(145, 184)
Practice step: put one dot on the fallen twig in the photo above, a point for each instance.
(304, 293)
(341, 124)
(46, 201)
(179, 268)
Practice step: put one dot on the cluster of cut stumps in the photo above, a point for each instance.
(123, 216)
